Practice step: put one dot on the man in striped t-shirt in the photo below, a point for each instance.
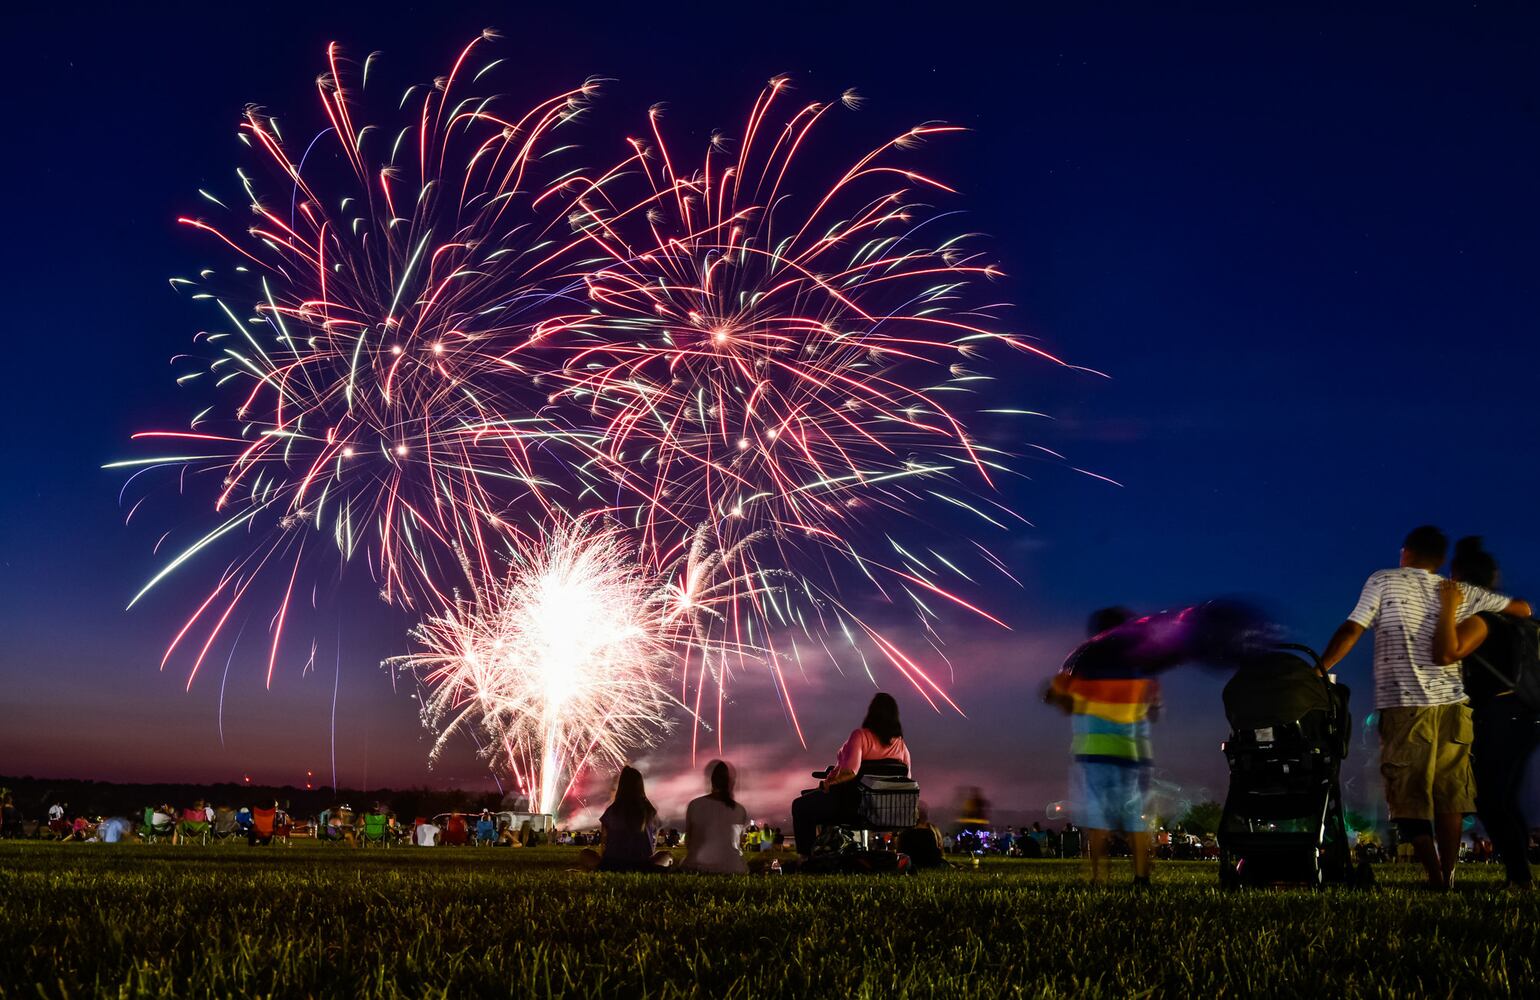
(1425, 723)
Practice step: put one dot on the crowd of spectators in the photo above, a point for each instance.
(203, 822)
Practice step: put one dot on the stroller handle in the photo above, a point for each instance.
(1298, 647)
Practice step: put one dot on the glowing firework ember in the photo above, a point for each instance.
(562, 662)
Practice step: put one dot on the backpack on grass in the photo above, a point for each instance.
(859, 862)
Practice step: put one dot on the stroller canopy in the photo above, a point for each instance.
(1275, 689)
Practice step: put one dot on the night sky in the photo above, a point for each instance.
(1304, 246)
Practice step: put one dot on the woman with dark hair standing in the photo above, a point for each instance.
(712, 825)
(1504, 731)
(628, 829)
(880, 737)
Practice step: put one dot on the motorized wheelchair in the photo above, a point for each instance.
(881, 799)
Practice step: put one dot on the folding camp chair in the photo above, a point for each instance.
(193, 828)
(374, 830)
(151, 831)
(264, 824)
(226, 827)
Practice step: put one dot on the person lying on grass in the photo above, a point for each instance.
(629, 828)
(713, 823)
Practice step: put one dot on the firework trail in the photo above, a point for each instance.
(368, 386)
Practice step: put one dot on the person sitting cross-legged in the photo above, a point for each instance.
(713, 825)
(629, 829)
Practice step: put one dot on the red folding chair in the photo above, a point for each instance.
(264, 825)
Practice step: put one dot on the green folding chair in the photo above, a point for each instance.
(152, 832)
(375, 828)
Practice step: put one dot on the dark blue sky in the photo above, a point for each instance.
(1305, 246)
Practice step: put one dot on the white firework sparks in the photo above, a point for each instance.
(563, 662)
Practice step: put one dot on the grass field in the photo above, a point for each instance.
(132, 920)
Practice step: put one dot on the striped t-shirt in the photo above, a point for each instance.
(1401, 605)
(1110, 706)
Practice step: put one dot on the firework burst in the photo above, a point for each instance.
(367, 379)
(562, 662)
(790, 361)
(441, 348)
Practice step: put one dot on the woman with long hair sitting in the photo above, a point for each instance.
(628, 829)
(713, 824)
(880, 737)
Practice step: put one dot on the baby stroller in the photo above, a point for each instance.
(1289, 732)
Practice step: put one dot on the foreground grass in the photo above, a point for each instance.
(135, 921)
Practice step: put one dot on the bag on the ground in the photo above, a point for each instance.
(858, 862)
(1522, 674)
(834, 842)
(881, 863)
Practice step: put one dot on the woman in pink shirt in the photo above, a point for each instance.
(880, 737)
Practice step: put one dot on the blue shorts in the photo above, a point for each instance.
(1110, 796)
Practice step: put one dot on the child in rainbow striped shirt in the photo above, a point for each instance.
(1111, 705)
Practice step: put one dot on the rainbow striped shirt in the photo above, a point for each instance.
(1110, 707)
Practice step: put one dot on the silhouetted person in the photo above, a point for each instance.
(629, 830)
(1490, 646)
(713, 825)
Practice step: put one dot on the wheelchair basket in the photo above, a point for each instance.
(888, 803)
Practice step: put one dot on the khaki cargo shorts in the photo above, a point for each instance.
(1425, 760)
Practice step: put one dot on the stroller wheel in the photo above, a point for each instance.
(1229, 872)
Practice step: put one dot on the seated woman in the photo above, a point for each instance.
(880, 737)
(629, 827)
(712, 824)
